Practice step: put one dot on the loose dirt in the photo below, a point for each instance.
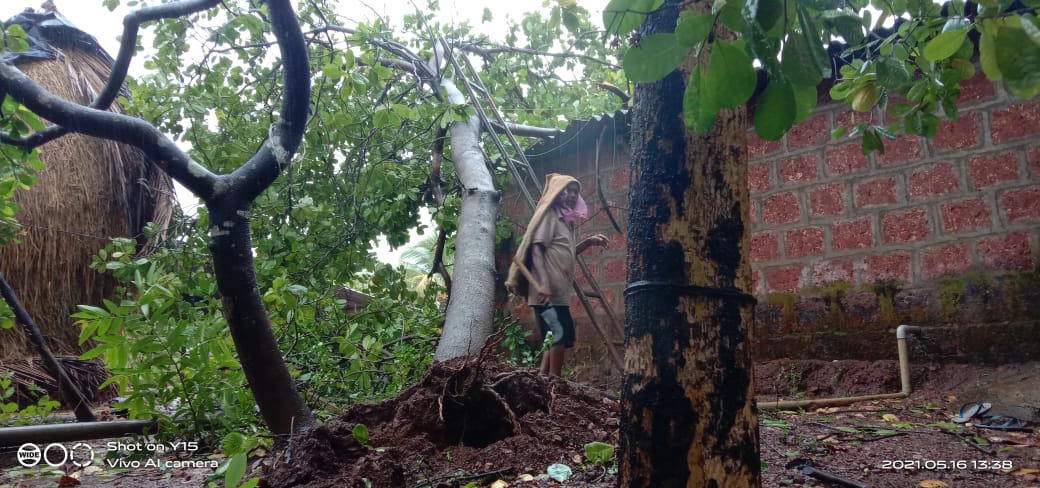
(473, 424)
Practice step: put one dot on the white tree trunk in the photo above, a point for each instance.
(468, 319)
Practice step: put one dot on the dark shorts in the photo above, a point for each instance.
(564, 314)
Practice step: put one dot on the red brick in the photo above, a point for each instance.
(1011, 252)
(621, 179)
(781, 208)
(577, 309)
(945, 259)
(615, 270)
(758, 177)
(895, 266)
(939, 179)
(1022, 204)
(964, 215)
(956, 135)
(784, 279)
(976, 88)
(901, 150)
(1034, 161)
(988, 171)
(618, 242)
(906, 226)
(802, 168)
(846, 159)
(765, 246)
(835, 270)
(758, 147)
(852, 234)
(827, 200)
(1018, 120)
(881, 191)
(804, 242)
(809, 133)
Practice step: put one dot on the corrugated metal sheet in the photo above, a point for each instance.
(578, 134)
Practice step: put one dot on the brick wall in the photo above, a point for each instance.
(942, 232)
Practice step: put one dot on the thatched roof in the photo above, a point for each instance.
(92, 190)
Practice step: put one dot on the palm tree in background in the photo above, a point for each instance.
(417, 260)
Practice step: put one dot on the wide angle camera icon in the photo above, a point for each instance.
(54, 455)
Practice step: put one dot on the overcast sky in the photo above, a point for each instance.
(92, 17)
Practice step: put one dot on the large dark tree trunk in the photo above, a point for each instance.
(688, 414)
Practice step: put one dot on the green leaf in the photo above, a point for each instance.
(872, 142)
(693, 28)
(699, 109)
(769, 14)
(332, 71)
(233, 443)
(945, 44)
(812, 37)
(988, 51)
(1031, 30)
(776, 111)
(599, 452)
(654, 58)
(487, 17)
(805, 98)
(1018, 59)
(236, 470)
(361, 433)
(820, 5)
(731, 77)
(892, 73)
(798, 62)
(623, 16)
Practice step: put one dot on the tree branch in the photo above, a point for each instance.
(108, 125)
(253, 177)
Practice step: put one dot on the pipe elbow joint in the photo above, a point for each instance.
(903, 329)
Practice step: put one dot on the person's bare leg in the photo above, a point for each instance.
(543, 366)
(556, 354)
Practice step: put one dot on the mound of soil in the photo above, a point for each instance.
(477, 422)
(464, 422)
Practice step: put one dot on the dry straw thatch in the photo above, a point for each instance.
(92, 190)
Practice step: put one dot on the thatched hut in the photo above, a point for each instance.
(91, 190)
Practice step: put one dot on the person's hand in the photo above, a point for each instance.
(598, 240)
(542, 297)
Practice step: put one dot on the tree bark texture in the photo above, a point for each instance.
(274, 389)
(468, 320)
(688, 413)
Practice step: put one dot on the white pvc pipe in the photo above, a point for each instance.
(904, 380)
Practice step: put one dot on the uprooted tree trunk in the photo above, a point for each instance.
(688, 414)
(468, 320)
(228, 197)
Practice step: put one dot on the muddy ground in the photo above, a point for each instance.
(483, 423)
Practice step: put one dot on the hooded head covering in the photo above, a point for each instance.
(555, 183)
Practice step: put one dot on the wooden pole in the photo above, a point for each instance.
(68, 389)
